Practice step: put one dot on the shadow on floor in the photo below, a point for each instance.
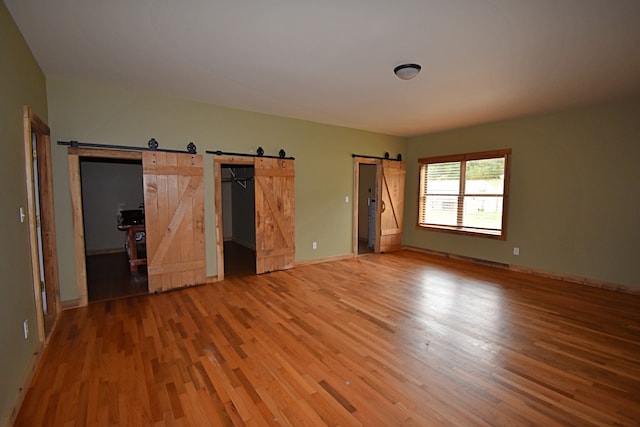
(238, 260)
(108, 277)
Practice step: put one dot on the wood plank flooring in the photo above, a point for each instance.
(109, 277)
(379, 340)
(239, 260)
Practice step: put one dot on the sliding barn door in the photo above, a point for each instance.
(174, 219)
(275, 215)
(391, 208)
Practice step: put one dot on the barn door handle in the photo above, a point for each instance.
(383, 206)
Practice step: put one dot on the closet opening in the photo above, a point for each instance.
(114, 227)
(378, 188)
(238, 219)
(366, 208)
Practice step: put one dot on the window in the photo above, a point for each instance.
(466, 193)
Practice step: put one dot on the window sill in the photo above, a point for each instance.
(489, 234)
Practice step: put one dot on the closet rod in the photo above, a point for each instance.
(237, 179)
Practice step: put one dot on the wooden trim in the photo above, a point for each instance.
(34, 126)
(69, 304)
(31, 221)
(47, 224)
(379, 173)
(505, 196)
(326, 259)
(457, 257)
(357, 161)
(75, 185)
(465, 156)
(217, 198)
(218, 161)
(594, 283)
(461, 231)
(105, 154)
(356, 210)
(234, 160)
(367, 160)
(533, 272)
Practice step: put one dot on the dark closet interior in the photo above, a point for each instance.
(238, 220)
(113, 207)
(366, 208)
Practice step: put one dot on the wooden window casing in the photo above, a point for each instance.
(449, 183)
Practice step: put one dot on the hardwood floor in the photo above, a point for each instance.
(239, 260)
(381, 340)
(363, 248)
(109, 277)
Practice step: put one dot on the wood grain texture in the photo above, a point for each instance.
(275, 214)
(47, 220)
(379, 340)
(174, 219)
(75, 185)
(40, 195)
(391, 209)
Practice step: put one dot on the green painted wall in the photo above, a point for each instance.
(575, 191)
(21, 83)
(324, 166)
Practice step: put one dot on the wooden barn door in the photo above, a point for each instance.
(275, 214)
(391, 207)
(174, 219)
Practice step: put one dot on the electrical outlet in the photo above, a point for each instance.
(346, 199)
(314, 245)
(516, 251)
(25, 329)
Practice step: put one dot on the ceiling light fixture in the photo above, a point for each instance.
(407, 71)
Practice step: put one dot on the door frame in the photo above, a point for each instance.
(33, 125)
(218, 161)
(357, 161)
(75, 184)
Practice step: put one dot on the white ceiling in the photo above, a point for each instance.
(332, 61)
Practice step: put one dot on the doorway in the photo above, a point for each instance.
(114, 227)
(238, 219)
(366, 209)
(273, 222)
(367, 190)
(378, 213)
(75, 155)
(40, 215)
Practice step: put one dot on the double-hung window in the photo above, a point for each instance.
(465, 193)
